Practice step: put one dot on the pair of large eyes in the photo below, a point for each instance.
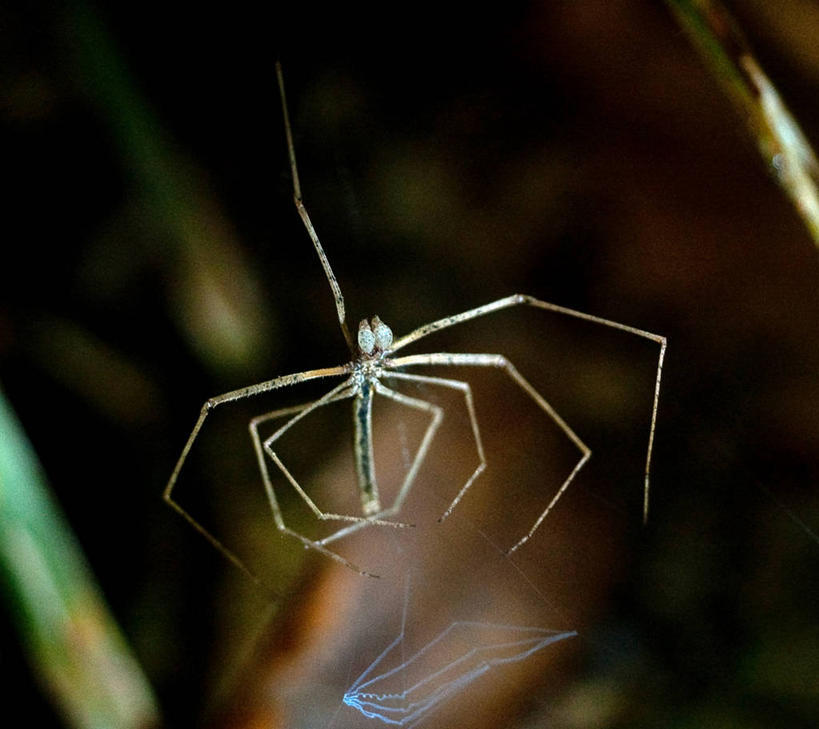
(374, 335)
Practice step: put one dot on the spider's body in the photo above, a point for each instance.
(374, 339)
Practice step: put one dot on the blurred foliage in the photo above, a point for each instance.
(781, 141)
(73, 642)
(214, 291)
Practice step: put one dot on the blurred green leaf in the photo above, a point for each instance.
(72, 641)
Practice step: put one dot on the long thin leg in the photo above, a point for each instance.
(409, 478)
(523, 299)
(476, 433)
(210, 405)
(437, 415)
(499, 361)
(311, 231)
(343, 391)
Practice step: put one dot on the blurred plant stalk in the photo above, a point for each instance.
(73, 643)
(213, 292)
(781, 142)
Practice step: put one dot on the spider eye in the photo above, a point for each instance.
(382, 333)
(366, 338)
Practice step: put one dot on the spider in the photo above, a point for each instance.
(375, 357)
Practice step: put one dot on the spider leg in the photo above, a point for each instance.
(476, 433)
(343, 391)
(214, 402)
(437, 415)
(311, 231)
(499, 361)
(523, 299)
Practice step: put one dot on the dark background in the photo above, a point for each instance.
(449, 156)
